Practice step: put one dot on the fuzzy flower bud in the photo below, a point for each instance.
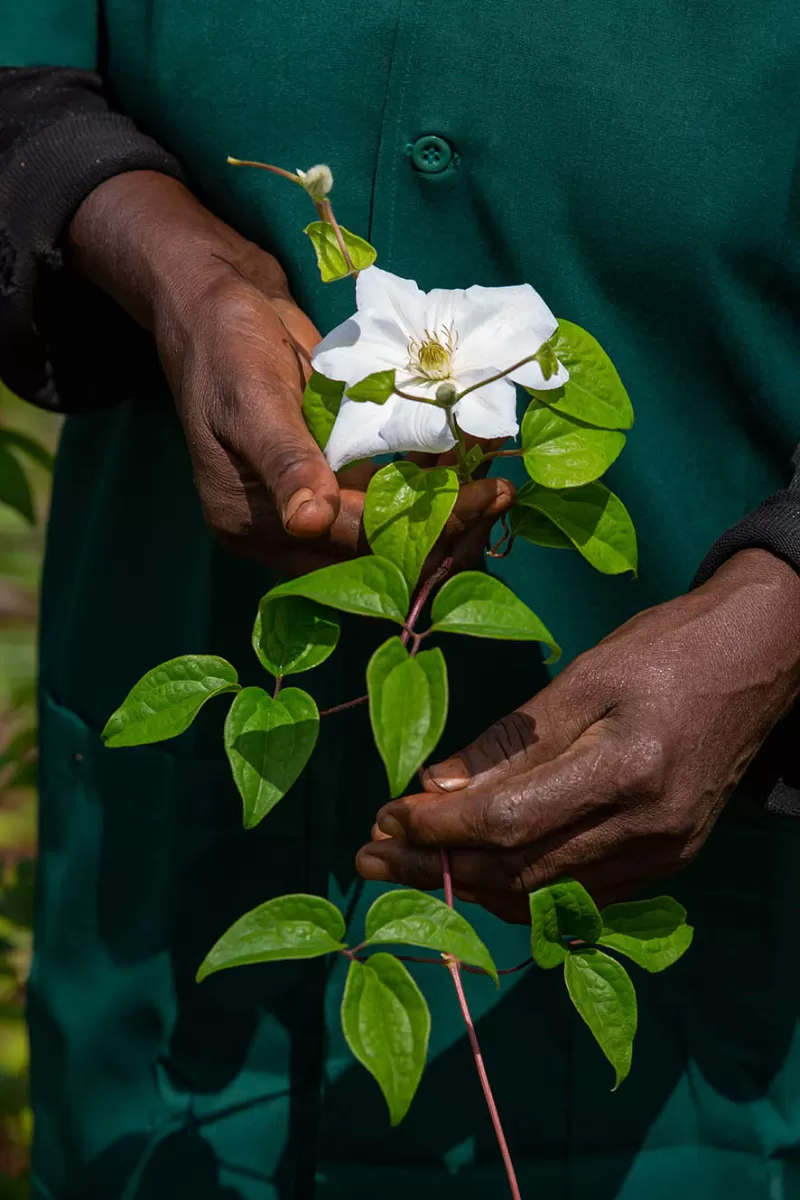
(446, 393)
(317, 181)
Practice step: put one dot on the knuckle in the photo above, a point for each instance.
(498, 822)
(504, 744)
(642, 769)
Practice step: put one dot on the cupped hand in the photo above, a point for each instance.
(616, 772)
(236, 352)
(237, 365)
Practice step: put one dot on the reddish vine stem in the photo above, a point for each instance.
(326, 712)
(438, 576)
(455, 972)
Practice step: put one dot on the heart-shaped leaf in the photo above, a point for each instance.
(408, 707)
(268, 743)
(375, 388)
(330, 260)
(412, 918)
(292, 634)
(167, 699)
(405, 510)
(562, 452)
(594, 393)
(653, 933)
(287, 927)
(482, 606)
(370, 586)
(591, 518)
(561, 912)
(322, 400)
(387, 1023)
(601, 990)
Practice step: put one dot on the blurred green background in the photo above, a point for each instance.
(27, 439)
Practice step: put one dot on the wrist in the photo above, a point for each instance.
(148, 242)
(758, 598)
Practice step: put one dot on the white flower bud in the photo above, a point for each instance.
(317, 181)
(446, 393)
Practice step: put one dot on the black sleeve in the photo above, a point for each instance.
(773, 526)
(60, 338)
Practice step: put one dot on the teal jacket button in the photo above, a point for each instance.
(431, 154)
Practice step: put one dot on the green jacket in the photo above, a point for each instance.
(636, 161)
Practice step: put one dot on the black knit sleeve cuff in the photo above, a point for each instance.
(59, 139)
(773, 526)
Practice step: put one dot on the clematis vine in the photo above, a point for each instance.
(479, 342)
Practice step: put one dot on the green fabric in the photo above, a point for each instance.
(635, 161)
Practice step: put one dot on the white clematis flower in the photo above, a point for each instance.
(430, 338)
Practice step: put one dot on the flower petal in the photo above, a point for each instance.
(349, 354)
(382, 296)
(531, 376)
(413, 426)
(356, 433)
(490, 411)
(514, 322)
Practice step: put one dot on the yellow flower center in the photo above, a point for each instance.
(432, 358)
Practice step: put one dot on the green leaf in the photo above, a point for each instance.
(387, 1023)
(330, 259)
(407, 706)
(601, 990)
(595, 521)
(15, 491)
(533, 526)
(561, 912)
(594, 393)
(268, 743)
(472, 460)
(287, 927)
(405, 510)
(410, 918)
(292, 634)
(167, 699)
(562, 452)
(370, 586)
(375, 388)
(28, 445)
(322, 400)
(482, 606)
(653, 933)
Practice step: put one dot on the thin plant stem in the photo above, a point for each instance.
(502, 454)
(327, 712)
(278, 685)
(418, 399)
(325, 211)
(461, 448)
(493, 378)
(454, 967)
(248, 162)
(438, 576)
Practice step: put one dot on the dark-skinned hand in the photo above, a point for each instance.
(616, 772)
(236, 352)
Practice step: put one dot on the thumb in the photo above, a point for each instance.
(276, 441)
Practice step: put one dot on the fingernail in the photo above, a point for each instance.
(450, 776)
(391, 826)
(295, 503)
(373, 868)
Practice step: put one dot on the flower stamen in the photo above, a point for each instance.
(431, 358)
